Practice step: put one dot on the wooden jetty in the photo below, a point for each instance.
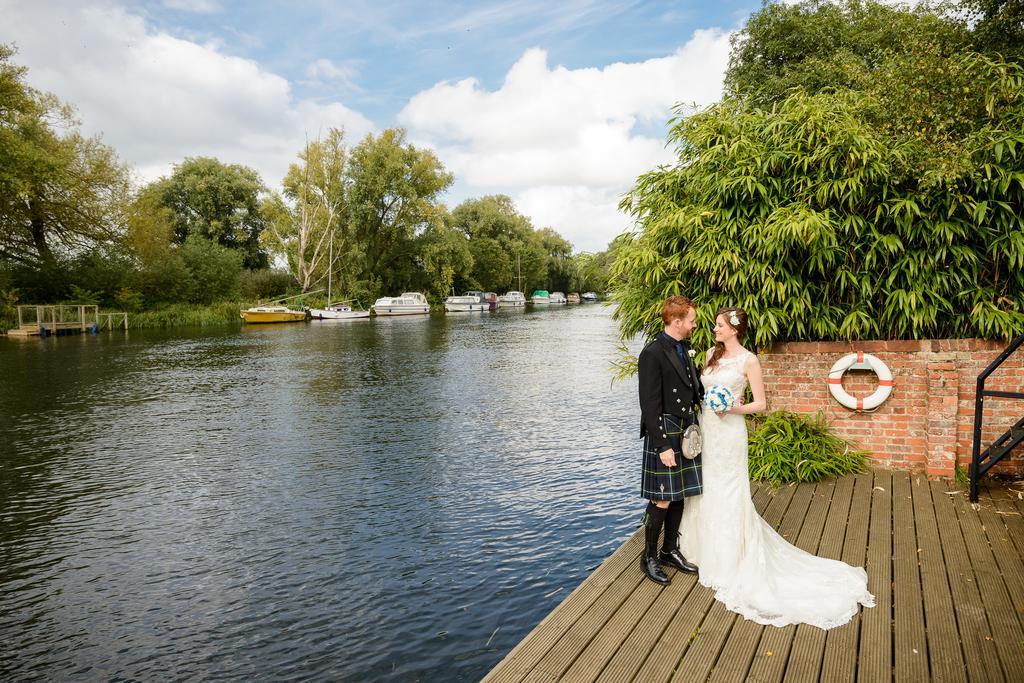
(64, 319)
(948, 578)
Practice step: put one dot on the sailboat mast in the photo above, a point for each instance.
(330, 269)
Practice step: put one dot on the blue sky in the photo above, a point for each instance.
(558, 104)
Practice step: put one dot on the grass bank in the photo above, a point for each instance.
(188, 315)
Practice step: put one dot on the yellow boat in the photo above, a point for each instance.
(272, 314)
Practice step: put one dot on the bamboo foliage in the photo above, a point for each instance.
(824, 225)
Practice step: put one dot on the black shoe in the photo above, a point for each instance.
(674, 558)
(653, 570)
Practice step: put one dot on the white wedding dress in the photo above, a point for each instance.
(752, 569)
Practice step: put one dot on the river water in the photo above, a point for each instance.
(395, 499)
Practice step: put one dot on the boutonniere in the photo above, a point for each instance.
(691, 352)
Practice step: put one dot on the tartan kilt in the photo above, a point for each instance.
(671, 483)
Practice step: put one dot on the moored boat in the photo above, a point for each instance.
(408, 303)
(512, 299)
(572, 298)
(272, 314)
(540, 297)
(338, 311)
(589, 296)
(465, 303)
(557, 298)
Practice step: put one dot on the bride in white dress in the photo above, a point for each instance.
(752, 569)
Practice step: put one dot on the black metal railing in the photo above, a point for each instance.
(983, 461)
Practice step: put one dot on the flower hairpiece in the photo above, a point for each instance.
(734, 319)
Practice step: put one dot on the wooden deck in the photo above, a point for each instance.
(948, 578)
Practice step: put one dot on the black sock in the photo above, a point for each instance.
(673, 516)
(654, 518)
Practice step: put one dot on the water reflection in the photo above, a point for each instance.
(403, 498)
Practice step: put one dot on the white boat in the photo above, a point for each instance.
(589, 296)
(540, 297)
(464, 304)
(557, 298)
(338, 311)
(511, 299)
(409, 303)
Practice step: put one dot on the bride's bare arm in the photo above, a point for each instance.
(754, 376)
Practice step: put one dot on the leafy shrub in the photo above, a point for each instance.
(80, 295)
(786, 447)
(8, 310)
(826, 227)
(265, 284)
(128, 300)
(213, 269)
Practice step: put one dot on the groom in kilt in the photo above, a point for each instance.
(670, 391)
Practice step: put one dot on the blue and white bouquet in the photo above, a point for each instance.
(719, 398)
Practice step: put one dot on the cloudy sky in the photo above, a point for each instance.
(559, 104)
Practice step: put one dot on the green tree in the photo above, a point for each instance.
(820, 44)
(998, 26)
(307, 225)
(503, 243)
(149, 231)
(559, 253)
(825, 227)
(60, 192)
(393, 189)
(218, 201)
(213, 270)
(445, 258)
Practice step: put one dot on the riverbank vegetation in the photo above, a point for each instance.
(75, 228)
(862, 178)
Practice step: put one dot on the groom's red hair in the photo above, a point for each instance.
(675, 307)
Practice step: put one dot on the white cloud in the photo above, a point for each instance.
(157, 98)
(565, 143)
(197, 6)
(325, 72)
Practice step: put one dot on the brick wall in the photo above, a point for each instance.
(927, 424)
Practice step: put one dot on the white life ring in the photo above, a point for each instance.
(885, 381)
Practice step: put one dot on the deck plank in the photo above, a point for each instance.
(948, 578)
(707, 647)
(577, 638)
(738, 652)
(980, 657)
(685, 626)
(808, 649)
(910, 645)
(875, 654)
(769, 663)
(536, 644)
(627, 659)
(944, 654)
(602, 648)
(1002, 617)
(1002, 523)
(839, 664)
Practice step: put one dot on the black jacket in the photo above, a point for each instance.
(665, 387)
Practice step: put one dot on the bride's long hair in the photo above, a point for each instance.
(736, 318)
